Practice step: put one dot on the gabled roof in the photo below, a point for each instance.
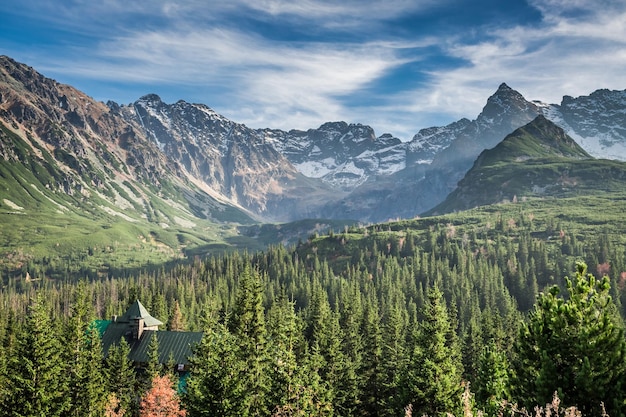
(137, 310)
(177, 345)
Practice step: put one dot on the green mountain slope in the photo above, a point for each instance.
(50, 212)
(535, 161)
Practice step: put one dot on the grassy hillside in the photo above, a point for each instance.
(556, 223)
(536, 161)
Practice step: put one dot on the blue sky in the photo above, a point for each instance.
(397, 65)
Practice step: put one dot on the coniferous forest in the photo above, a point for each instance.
(407, 318)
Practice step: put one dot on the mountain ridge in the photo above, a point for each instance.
(339, 170)
(534, 161)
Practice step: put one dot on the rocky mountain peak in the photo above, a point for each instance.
(151, 98)
(597, 121)
(504, 102)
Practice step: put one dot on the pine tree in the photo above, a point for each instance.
(230, 367)
(295, 388)
(176, 322)
(574, 346)
(154, 367)
(37, 382)
(325, 342)
(283, 333)
(370, 371)
(492, 379)
(393, 361)
(84, 360)
(216, 385)
(350, 383)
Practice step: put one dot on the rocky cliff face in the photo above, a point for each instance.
(228, 159)
(339, 170)
(77, 146)
(597, 122)
(505, 111)
(60, 118)
(341, 155)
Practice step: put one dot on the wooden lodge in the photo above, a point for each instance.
(138, 327)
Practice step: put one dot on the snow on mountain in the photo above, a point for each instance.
(230, 160)
(430, 141)
(356, 164)
(341, 155)
(597, 122)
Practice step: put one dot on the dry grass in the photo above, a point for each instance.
(552, 409)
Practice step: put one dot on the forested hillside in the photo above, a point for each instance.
(362, 321)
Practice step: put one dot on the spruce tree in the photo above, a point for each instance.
(433, 381)
(121, 376)
(176, 322)
(295, 389)
(84, 360)
(248, 328)
(370, 371)
(394, 361)
(216, 385)
(154, 367)
(37, 382)
(350, 384)
(492, 383)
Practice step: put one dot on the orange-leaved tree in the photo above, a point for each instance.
(161, 400)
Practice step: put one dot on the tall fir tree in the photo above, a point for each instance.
(394, 360)
(154, 367)
(83, 356)
(295, 389)
(248, 327)
(371, 378)
(176, 322)
(433, 380)
(121, 376)
(216, 385)
(492, 381)
(39, 387)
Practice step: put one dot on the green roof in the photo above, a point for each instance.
(177, 345)
(137, 310)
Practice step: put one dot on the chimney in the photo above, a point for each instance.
(114, 318)
(138, 328)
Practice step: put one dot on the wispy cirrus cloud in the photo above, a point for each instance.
(292, 82)
(396, 64)
(577, 47)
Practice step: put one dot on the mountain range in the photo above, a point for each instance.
(185, 175)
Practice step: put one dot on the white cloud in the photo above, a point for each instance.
(578, 47)
(278, 84)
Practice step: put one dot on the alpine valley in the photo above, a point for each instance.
(125, 185)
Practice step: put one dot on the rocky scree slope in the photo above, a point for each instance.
(76, 147)
(226, 159)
